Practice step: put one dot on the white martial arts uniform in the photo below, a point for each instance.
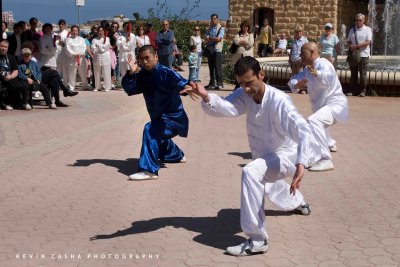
(101, 62)
(124, 49)
(279, 137)
(328, 102)
(61, 60)
(48, 51)
(75, 49)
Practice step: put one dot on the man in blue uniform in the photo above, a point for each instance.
(161, 89)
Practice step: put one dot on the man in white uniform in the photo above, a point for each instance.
(328, 102)
(281, 142)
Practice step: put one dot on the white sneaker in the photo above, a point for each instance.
(333, 148)
(7, 107)
(52, 106)
(304, 209)
(27, 107)
(248, 248)
(183, 160)
(322, 165)
(95, 90)
(143, 176)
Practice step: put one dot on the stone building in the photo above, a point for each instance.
(285, 15)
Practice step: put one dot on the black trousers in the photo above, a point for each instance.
(12, 90)
(215, 68)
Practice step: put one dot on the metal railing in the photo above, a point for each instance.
(381, 81)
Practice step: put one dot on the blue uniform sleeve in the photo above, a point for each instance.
(130, 85)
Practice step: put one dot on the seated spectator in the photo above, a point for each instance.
(10, 87)
(52, 79)
(281, 49)
(29, 73)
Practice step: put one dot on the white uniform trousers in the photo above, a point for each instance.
(97, 71)
(264, 177)
(123, 66)
(70, 80)
(320, 121)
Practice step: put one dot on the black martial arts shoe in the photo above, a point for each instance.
(61, 104)
(248, 248)
(69, 93)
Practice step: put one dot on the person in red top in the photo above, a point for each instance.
(151, 34)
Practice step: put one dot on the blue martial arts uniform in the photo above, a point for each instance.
(160, 88)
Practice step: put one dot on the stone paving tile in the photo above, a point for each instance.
(64, 184)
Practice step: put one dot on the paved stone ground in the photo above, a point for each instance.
(65, 199)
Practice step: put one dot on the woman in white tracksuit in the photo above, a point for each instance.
(126, 46)
(75, 49)
(101, 60)
(62, 35)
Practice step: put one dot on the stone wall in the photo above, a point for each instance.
(310, 14)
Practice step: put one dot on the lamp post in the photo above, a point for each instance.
(1, 18)
(78, 3)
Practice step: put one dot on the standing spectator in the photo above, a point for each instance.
(113, 36)
(48, 47)
(75, 49)
(329, 44)
(294, 57)
(245, 42)
(281, 143)
(161, 89)
(101, 60)
(4, 30)
(265, 46)
(15, 41)
(193, 57)
(359, 38)
(151, 34)
(10, 86)
(195, 39)
(281, 49)
(328, 102)
(141, 38)
(215, 41)
(126, 45)
(61, 56)
(33, 35)
(165, 42)
(30, 75)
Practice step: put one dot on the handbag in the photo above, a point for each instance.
(233, 48)
(209, 50)
(354, 57)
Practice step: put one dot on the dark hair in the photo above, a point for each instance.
(33, 19)
(104, 23)
(244, 23)
(75, 26)
(149, 48)
(245, 64)
(192, 47)
(102, 27)
(62, 21)
(47, 25)
(5, 23)
(17, 25)
(138, 28)
(213, 15)
(115, 23)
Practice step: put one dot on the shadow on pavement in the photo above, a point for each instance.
(126, 167)
(244, 155)
(218, 232)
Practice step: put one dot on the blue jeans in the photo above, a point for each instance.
(166, 60)
(193, 74)
(157, 144)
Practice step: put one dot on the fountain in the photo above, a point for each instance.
(384, 67)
